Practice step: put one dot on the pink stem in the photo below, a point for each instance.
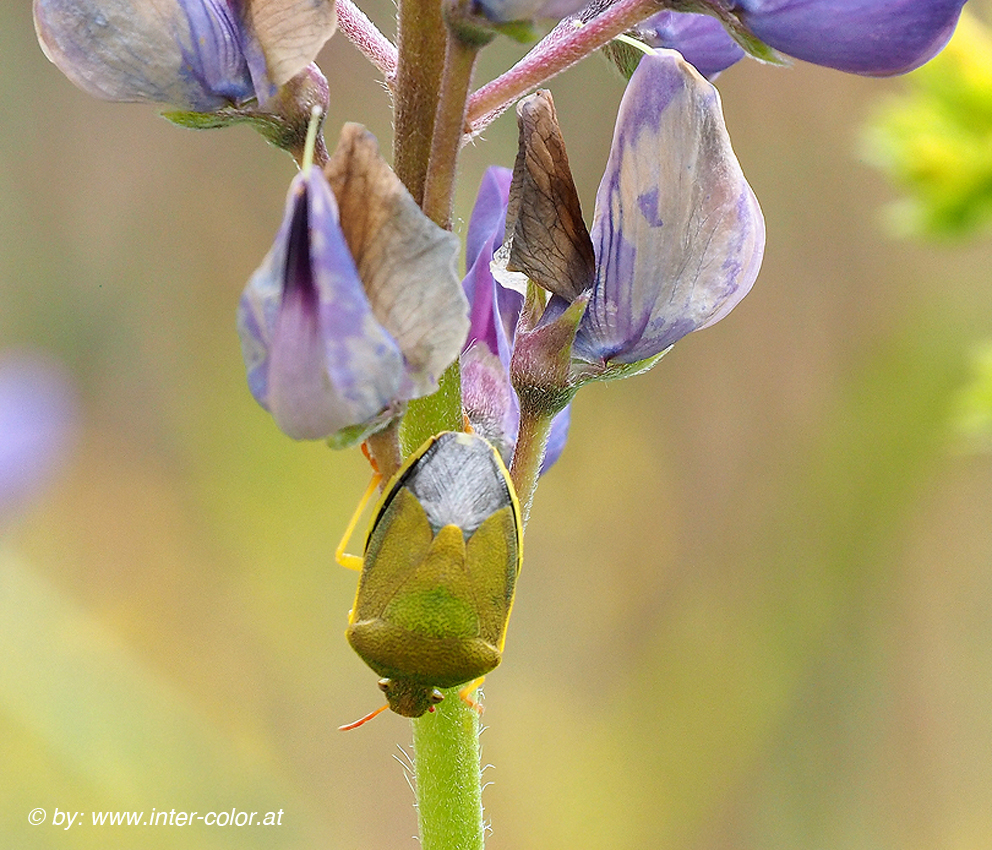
(361, 32)
(565, 45)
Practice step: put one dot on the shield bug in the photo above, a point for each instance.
(441, 561)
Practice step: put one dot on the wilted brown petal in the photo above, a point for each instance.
(405, 261)
(550, 242)
(291, 33)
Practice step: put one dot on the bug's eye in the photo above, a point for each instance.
(436, 696)
(384, 685)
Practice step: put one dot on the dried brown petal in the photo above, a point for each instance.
(551, 244)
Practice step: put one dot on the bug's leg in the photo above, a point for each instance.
(354, 562)
(466, 425)
(466, 694)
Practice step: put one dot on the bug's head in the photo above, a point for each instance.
(409, 698)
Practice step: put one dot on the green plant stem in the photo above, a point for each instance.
(459, 61)
(448, 777)
(384, 447)
(428, 416)
(432, 81)
(420, 61)
(532, 440)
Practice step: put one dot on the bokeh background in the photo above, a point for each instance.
(756, 607)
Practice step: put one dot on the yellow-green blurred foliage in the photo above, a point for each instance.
(935, 139)
(756, 608)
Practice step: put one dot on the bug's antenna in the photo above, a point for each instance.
(349, 726)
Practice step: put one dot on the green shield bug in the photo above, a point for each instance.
(437, 578)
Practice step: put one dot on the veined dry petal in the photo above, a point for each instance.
(405, 261)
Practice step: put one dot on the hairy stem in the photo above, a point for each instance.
(448, 777)
(532, 440)
(361, 32)
(459, 61)
(420, 61)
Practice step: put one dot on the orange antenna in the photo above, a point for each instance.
(349, 726)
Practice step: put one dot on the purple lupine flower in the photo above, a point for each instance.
(199, 55)
(701, 39)
(677, 232)
(870, 37)
(37, 413)
(677, 235)
(357, 307)
(488, 397)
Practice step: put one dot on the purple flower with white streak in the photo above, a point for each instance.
(37, 415)
(488, 397)
(357, 307)
(870, 37)
(198, 55)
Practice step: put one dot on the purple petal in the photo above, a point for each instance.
(488, 220)
(317, 359)
(489, 399)
(37, 413)
(873, 37)
(188, 54)
(677, 230)
(701, 39)
(505, 11)
(494, 310)
(198, 55)
(557, 439)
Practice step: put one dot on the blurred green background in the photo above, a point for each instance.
(756, 608)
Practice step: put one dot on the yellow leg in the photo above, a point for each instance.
(466, 694)
(354, 562)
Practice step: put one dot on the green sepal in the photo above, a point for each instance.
(751, 44)
(586, 373)
(541, 368)
(355, 435)
(623, 56)
(275, 129)
(522, 31)
(227, 116)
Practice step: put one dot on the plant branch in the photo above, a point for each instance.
(448, 777)
(565, 45)
(459, 61)
(420, 61)
(532, 441)
(365, 35)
